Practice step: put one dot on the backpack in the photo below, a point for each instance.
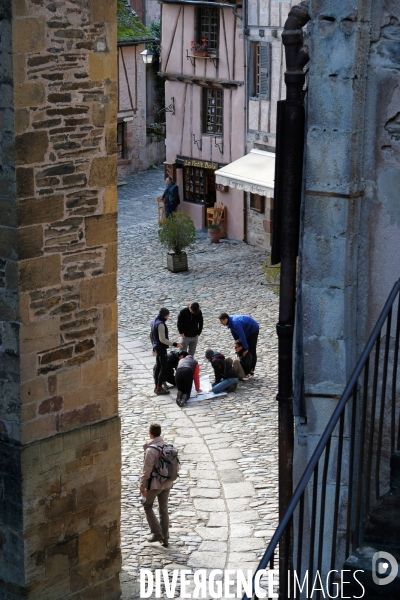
(168, 463)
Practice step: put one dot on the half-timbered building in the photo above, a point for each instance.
(222, 108)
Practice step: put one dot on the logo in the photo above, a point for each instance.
(384, 568)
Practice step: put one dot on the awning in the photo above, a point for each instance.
(252, 173)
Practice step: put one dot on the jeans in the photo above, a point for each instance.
(189, 344)
(161, 367)
(155, 526)
(223, 385)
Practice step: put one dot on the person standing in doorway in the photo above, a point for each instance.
(245, 329)
(160, 341)
(190, 326)
(171, 196)
(151, 488)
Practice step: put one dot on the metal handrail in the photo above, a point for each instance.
(324, 442)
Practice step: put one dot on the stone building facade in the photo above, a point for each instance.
(59, 425)
(349, 256)
(137, 102)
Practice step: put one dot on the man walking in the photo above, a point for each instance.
(151, 488)
(245, 329)
(160, 341)
(171, 196)
(190, 326)
(242, 364)
(226, 378)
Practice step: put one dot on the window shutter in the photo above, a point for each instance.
(265, 70)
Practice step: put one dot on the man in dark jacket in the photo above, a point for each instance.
(171, 196)
(160, 341)
(190, 326)
(245, 329)
(242, 364)
(226, 378)
(172, 363)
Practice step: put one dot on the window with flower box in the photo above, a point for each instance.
(208, 27)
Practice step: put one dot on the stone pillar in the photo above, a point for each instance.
(59, 426)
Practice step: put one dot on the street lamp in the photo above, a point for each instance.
(147, 56)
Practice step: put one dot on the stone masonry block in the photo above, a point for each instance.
(100, 290)
(325, 365)
(93, 492)
(40, 272)
(329, 261)
(110, 200)
(29, 94)
(328, 312)
(101, 229)
(103, 10)
(30, 242)
(29, 35)
(33, 211)
(110, 318)
(102, 66)
(111, 259)
(25, 182)
(103, 171)
(92, 544)
(31, 147)
(36, 335)
(8, 243)
(38, 429)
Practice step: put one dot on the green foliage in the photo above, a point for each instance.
(214, 226)
(177, 232)
(272, 275)
(129, 26)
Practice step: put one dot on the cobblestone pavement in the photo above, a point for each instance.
(223, 509)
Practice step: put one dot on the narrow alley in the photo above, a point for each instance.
(224, 507)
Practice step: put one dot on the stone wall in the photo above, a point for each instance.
(59, 425)
(259, 225)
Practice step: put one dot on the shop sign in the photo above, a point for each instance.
(201, 164)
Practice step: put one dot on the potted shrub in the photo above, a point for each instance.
(199, 49)
(176, 233)
(214, 232)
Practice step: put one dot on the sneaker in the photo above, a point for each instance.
(165, 385)
(179, 399)
(161, 392)
(232, 387)
(165, 543)
(185, 398)
(155, 538)
(248, 377)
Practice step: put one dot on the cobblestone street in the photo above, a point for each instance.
(223, 509)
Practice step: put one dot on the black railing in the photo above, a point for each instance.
(350, 467)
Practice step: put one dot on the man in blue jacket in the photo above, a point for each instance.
(171, 196)
(245, 329)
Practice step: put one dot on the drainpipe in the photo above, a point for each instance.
(288, 187)
(245, 103)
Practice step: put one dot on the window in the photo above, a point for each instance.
(260, 72)
(199, 185)
(121, 135)
(257, 203)
(213, 111)
(208, 26)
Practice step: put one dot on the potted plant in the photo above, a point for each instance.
(199, 49)
(214, 232)
(176, 233)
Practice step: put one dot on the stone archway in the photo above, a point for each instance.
(59, 425)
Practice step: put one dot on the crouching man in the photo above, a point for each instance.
(151, 487)
(226, 378)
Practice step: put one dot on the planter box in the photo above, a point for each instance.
(177, 262)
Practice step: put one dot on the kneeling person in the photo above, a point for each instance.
(226, 378)
(187, 371)
(242, 364)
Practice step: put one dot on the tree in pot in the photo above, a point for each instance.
(176, 233)
(214, 232)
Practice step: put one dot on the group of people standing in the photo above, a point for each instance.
(180, 368)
